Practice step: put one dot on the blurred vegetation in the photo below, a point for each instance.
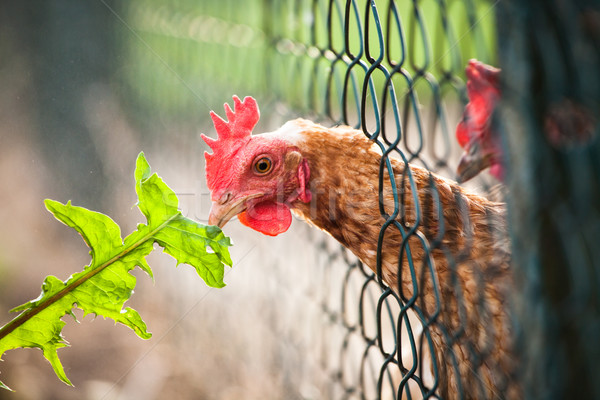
(183, 56)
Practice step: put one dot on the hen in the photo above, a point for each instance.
(452, 245)
(566, 123)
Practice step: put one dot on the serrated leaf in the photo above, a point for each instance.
(106, 284)
(101, 234)
(157, 201)
(186, 241)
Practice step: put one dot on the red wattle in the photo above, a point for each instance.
(268, 217)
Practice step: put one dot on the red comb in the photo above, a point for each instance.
(240, 122)
(231, 134)
(482, 74)
(483, 88)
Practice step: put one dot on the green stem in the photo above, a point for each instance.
(30, 313)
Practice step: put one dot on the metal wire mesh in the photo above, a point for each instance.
(395, 71)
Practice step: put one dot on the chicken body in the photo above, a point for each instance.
(344, 182)
(455, 263)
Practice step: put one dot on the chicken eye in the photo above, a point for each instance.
(263, 165)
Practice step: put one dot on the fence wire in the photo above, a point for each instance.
(395, 71)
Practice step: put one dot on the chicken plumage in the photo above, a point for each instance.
(460, 275)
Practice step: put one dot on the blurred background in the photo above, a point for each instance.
(88, 85)
(85, 86)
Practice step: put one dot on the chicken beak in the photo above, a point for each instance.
(471, 163)
(221, 213)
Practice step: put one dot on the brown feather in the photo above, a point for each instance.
(465, 253)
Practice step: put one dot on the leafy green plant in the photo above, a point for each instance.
(105, 284)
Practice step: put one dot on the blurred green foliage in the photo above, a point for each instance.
(186, 57)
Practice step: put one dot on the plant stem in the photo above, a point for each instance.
(31, 312)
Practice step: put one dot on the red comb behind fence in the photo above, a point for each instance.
(232, 134)
(483, 88)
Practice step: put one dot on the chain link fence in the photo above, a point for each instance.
(395, 70)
